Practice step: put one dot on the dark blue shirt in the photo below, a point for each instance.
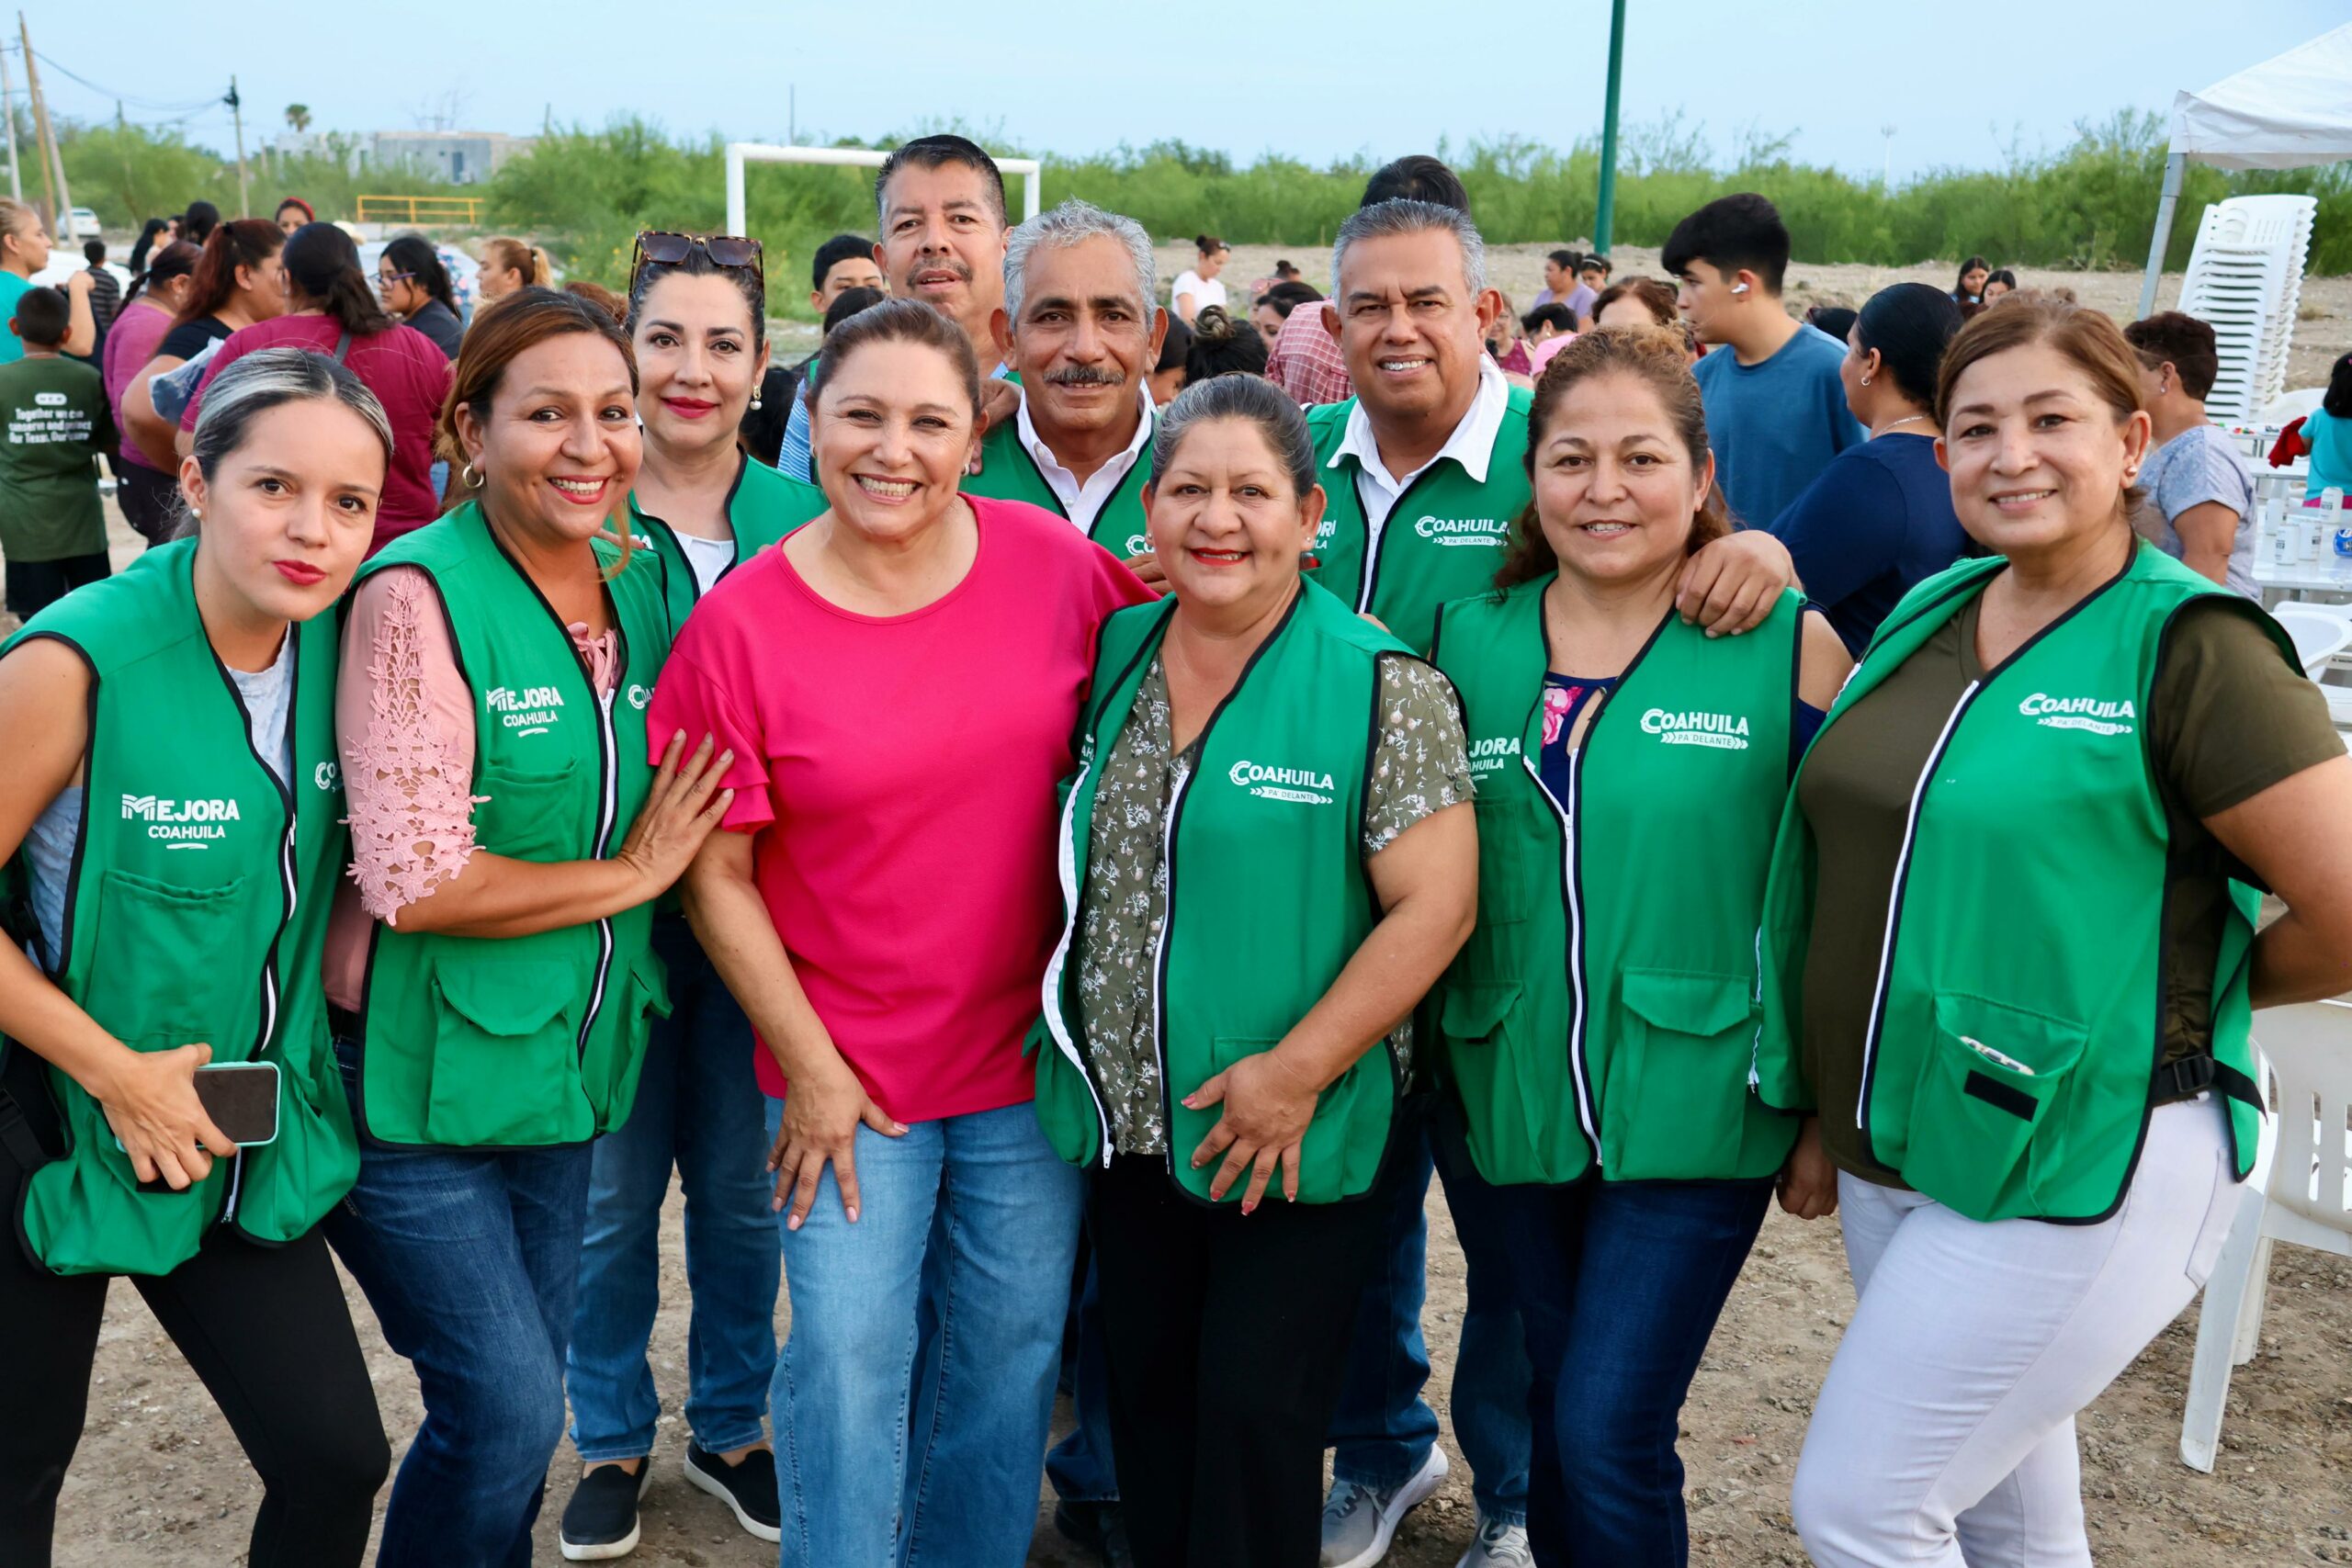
(1878, 520)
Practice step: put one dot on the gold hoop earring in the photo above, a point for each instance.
(471, 476)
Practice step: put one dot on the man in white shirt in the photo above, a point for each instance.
(1080, 329)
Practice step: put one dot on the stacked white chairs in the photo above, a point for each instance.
(2246, 280)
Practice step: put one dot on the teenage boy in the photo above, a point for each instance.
(842, 262)
(1776, 412)
(52, 531)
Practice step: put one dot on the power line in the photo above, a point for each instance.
(181, 106)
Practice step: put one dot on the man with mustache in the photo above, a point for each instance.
(1079, 326)
(941, 202)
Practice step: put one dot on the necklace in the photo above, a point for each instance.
(1889, 425)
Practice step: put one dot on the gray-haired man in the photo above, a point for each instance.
(1079, 326)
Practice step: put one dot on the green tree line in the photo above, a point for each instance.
(584, 192)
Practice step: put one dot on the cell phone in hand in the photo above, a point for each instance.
(242, 1100)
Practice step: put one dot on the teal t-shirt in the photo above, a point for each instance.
(12, 289)
(2330, 443)
(1775, 424)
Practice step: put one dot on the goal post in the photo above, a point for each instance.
(739, 153)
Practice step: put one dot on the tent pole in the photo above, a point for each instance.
(2176, 166)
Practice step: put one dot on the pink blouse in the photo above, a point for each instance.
(405, 723)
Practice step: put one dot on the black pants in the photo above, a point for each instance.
(150, 501)
(267, 1331)
(34, 585)
(1228, 1340)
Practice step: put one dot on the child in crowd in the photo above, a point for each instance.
(52, 531)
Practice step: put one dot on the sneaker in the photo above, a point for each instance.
(1101, 1528)
(600, 1522)
(748, 1487)
(1498, 1546)
(1359, 1521)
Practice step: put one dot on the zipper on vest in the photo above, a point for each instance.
(271, 1000)
(1066, 858)
(1895, 913)
(607, 808)
(1573, 903)
(1159, 948)
(1376, 534)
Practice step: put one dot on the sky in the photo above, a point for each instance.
(1960, 84)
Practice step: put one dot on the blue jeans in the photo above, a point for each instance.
(1620, 1284)
(1384, 1429)
(471, 1261)
(1080, 1465)
(699, 1108)
(959, 1489)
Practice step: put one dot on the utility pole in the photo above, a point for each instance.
(1886, 168)
(61, 199)
(8, 113)
(792, 115)
(237, 111)
(1605, 219)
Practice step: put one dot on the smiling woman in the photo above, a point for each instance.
(1302, 775)
(882, 904)
(489, 963)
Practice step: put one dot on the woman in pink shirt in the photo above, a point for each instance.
(899, 682)
(148, 495)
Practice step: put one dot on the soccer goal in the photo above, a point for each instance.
(741, 152)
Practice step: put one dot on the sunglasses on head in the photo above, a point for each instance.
(660, 247)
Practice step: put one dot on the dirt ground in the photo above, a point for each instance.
(159, 1479)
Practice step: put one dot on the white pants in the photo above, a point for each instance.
(1945, 1432)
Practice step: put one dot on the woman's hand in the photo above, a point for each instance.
(1148, 571)
(822, 1114)
(680, 810)
(1268, 1104)
(1808, 1183)
(149, 1100)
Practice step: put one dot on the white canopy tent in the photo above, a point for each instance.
(2286, 113)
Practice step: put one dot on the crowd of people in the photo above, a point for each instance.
(609, 753)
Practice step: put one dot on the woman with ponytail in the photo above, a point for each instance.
(330, 310)
(508, 264)
(237, 282)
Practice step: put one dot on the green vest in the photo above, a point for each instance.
(1009, 473)
(1265, 865)
(197, 911)
(2012, 1055)
(762, 507)
(1443, 540)
(527, 1041)
(1604, 1004)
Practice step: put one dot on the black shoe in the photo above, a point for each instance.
(747, 1488)
(600, 1522)
(1102, 1528)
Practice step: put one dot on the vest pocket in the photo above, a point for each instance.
(504, 1070)
(172, 937)
(1675, 1091)
(1506, 1092)
(645, 997)
(528, 814)
(1991, 1073)
(1340, 1154)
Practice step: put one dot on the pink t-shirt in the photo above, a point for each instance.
(131, 343)
(898, 776)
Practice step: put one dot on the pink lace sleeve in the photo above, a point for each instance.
(405, 721)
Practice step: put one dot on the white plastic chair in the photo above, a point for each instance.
(2318, 638)
(2291, 405)
(2300, 1192)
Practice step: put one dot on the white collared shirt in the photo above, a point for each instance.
(1471, 444)
(1083, 501)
